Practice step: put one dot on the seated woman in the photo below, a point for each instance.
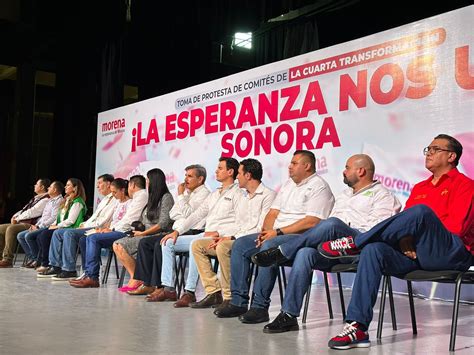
(119, 189)
(27, 238)
(71, 215)
(156, 218)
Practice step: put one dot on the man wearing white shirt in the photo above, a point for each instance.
(62, 251)
(27, 238)
(218, 210)
(22, 220)
(302, 202)
(191, 194)
(361, 206)
(249, 219)
(95, 242)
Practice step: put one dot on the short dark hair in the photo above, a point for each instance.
(309, 155)
(138, 180)
(59, 186)
(453, 145)
(254, 167)
(106, 177)
(200, 171)
(231, 163)
(45, 182)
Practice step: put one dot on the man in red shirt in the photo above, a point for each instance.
(434, 232)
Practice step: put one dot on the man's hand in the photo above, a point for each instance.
(13, 221)
(181, 188)
(173, 236)
(211, 234)
(216, 241)
(407, 247)
(33, 227)
(265, 235)
(53, 227)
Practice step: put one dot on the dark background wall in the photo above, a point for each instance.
(62, 62)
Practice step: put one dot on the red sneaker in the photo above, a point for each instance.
(350, 337)
(339, 248)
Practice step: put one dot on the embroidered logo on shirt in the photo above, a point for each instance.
(368, 193)
(227, 199)
(444, 192)
(419, 197)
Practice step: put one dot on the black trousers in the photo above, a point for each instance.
(149, 258)
(44, 241)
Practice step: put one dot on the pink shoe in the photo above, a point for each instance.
(130, 288)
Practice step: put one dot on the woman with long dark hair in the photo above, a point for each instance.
(155, 218)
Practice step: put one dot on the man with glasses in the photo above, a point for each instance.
(434, 232)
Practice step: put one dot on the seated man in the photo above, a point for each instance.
(434, 232)
(95, 242)
(219, 210)
(358, 208)
(302, 202)
(191, 194)
(21, 221)
(63, 248)
(27, 238)
(249, 219)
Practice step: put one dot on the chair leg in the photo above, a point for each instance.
(17, 250)
(341, 295)
(216, 265)
(306, 302)
(251, 288)
(454, 322)
(392, 304)
(412, 307)
(122, 276)
(116, 267)
(382, 306)
(280, 286)
(107, 267)
(283, 275)
(328, 295)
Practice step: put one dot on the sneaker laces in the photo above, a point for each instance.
(348, 329)
(341, 243)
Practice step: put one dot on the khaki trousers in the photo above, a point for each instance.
(8, 233)
(206, 273)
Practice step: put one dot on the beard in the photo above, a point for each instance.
(348, 182)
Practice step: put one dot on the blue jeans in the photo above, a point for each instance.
(242, 250)
(329, 229)
(63, 248)
(29, 244)
(94, 243)
(168, 272)
(436, 249)
(307, 259)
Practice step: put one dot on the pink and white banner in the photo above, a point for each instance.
(386, 95)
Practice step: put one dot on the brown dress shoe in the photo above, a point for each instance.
(162, 295)
(208, 301)
(86, 282)
(142, 291)
(185, 300)
(6, 263)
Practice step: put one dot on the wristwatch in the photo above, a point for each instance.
(279, 231)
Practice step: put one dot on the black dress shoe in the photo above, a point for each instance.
(230, 311)
(208, 301)
(254, 316)
(282, 323)
(269, 257)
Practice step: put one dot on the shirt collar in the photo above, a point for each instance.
(449, 175)
(365, 188)
(305, 181)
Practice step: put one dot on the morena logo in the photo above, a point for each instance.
(113, 125)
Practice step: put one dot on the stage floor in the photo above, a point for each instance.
(39, 316)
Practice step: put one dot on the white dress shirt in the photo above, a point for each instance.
(50, 212)
(311, 197)
(219, 210)
(134, 211)
(367, 207)
(186, 204)
(252, 210)
(35, 211)
(103, 213)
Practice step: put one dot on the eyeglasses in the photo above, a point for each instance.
(434, 150)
